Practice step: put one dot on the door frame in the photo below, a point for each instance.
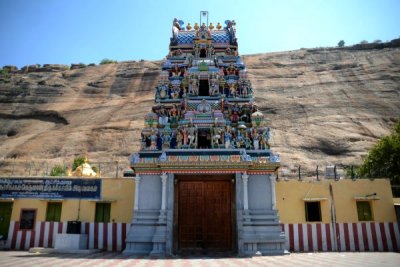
(205, 177)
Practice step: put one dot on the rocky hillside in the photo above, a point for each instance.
(325, 106)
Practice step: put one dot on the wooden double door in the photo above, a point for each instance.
(204, 216)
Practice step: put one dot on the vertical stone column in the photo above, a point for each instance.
(245, 179)
(272, 179)
(160, 235)
(164, 177)
(137, 185)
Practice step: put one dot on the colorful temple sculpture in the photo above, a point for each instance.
(205, 174)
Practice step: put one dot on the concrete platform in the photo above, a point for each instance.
(63, 251)
(24, 258)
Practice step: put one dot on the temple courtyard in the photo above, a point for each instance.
(24, 258)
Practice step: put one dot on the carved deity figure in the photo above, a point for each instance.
(244, 89)
(166, 139)
(192, 136)
(214, 85)
(247, 141)
(162, 116)
(185, 134)
(232, 89)
(221, 72)
(227, 138)
(194, 86)
(179, 139)
(231, 70)
(235, 113)
(210, 51)
(222, 104)
(256, 141)
(239, 139)
(264, 139)
(153, 140)
(174, 114)
(163, 90)
(176, 71)
(203, 32)
(216, 137)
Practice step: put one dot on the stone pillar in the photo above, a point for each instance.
(272, 179)
(137, 185)
(164, 177)
(160, 235)
(245, 179)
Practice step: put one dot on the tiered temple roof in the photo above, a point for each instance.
(204, 112)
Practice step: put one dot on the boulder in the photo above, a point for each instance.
(54, 67)
(10, 69)
(30, 68)
(78, 66)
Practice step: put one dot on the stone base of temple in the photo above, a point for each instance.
(261, 233)
(147, 234)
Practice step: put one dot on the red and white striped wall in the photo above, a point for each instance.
(106, 236)
(367, 236)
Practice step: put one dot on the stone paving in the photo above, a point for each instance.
(26, 259)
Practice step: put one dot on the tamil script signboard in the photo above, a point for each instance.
(50, 188)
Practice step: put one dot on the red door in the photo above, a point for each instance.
(205, 215)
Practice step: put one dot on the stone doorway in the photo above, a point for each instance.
(203, 53)
(204, 88)
(204, 138)
(204, 214)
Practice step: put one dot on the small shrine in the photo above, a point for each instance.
(83, 170)
(205, 173)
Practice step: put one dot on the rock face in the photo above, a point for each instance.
(325, 106)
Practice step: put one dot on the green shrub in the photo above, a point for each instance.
(107, 61)
(57, 170)
(3, 72)
(78, 161)
(94, 168)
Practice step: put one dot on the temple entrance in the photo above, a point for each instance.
(204, 216)
(203, 53)
(204, 138)
(204, 88)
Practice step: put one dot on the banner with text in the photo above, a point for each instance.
(50, 188)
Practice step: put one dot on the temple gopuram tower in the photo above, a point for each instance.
(205, 174)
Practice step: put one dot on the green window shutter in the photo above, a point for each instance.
(50, 212)
(364, 211)
(99, 212)
(107, 209)
(53, 213)
(57, 212)
(103, 212)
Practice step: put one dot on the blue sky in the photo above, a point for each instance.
(72, 31)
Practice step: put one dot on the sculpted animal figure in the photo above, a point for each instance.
(214, 87)
(194, 87)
